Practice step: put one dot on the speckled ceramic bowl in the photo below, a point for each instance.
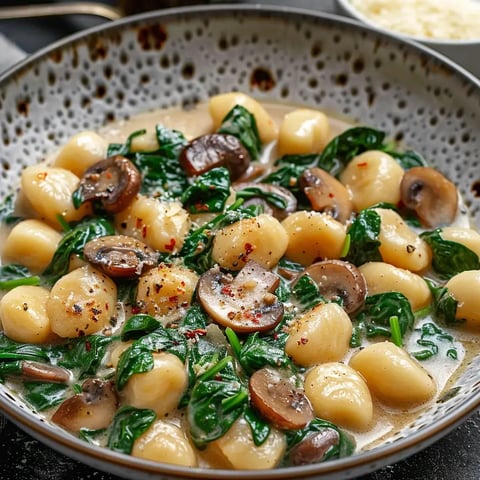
(180, 57)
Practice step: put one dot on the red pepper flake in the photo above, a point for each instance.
(108, 174)
(194, 333)
(144, 231)
(173, 299)
(136, 309)
(331, 195)
(201, 207)
(138, 222)
(170, 246)
(88, 346)
(249, 248)
(227, 290)
(362, 164)
(303, 341)
(42, 175)
(218, 377)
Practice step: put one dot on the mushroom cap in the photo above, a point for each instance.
(244, 303)
(433, 197)
(337, 279)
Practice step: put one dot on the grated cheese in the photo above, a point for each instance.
(430, 19)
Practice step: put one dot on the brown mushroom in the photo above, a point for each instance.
(339, 280)
(245, 303)
(433, 197)
(278, 400)
(326, 194)
(120, 256)
(215, 150)
(44, 373)
(93, 409)
(268, 196)
(113, 182)
(313, 447)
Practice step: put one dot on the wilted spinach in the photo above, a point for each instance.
(288, 177)
(430, 337)
(7, 211)
(407, 159)
(307, 293)
(73, 242)
(449, 258)
(128, 424)
(444, 305)
(208, 192)
(43, 395)
(240, 123)
(270, 197)
(13, 275)
(259, 427)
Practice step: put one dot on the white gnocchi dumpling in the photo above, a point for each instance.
(31, 243)
(23, 314)
(313, 236)
(167, 443)
(399, 244)
(159, 389)
(238, 451)
(166, 290)
(340, 395)
(303, 131)
(465, 288)
(220, 105)
(320, 335)
(161, 225)
(382, 277)
(49, 191)
(81, 151)
(82, 302)
(373, 177)
(392, 376)
(466, 236)
(262, 239)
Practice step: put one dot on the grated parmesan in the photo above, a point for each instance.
(430, 19)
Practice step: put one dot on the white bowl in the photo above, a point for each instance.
(465, 52)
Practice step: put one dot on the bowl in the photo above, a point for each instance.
(183, 56)
(464, 52)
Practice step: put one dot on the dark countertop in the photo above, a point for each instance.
(456, 456)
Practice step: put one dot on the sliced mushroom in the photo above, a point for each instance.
(326, 194)
(313, 447)
(245, 303)
(339, 280)
(113, 182)
(120, 256)
(93, 409)
(433, 197)
(278, 400)
(215, 150)
(44, 373)
(268, 197)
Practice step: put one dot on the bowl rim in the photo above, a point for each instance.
(347, 7)
(362, 462)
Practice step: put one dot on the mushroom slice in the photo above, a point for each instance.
(339, 280)
(313, 447)
(433, 197)
(245, 303)
(278, 400)
(215, 150)
(326, 194)
(93, 409)
(44, 373)
(120, 256)
(276, 201)
(114, 182)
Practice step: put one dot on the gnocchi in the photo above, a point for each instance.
(464, 289)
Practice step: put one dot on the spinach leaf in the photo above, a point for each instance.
(270, 197)
(14, 275)
(7, 211)
(43, 395)
(431, 336)
(258, 426)
(375, 317)
(85, 354)
(138, 325)
(444, 305)
(195, 319)
(138, 358)
(240, 123)
(288, 177)
(10, 350)
(347, 145)
(407, 159)
(364, 243)
(124, 149)
(127, 291)
(73, 242)
(196, 250)
(209, 192)
(128, 424)
(218, 398)
(343, 448)
(449, 258)
(307, 293)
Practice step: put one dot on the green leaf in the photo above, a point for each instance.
(13, 275)
(430, 337)
(124, 149)
(307, 293)
(73, 243)
(449, 258)
(407, 159)
(257, 192)
(128, 424)
(364, 243)
(194, 319)
(258, 426)
(287, 177)
(444, 305)
(208, 193)
(42, 395)
(240, 123)
(139, 325)
(10, 350)
(7, 211)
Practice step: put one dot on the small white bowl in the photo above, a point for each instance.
(464, 52)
